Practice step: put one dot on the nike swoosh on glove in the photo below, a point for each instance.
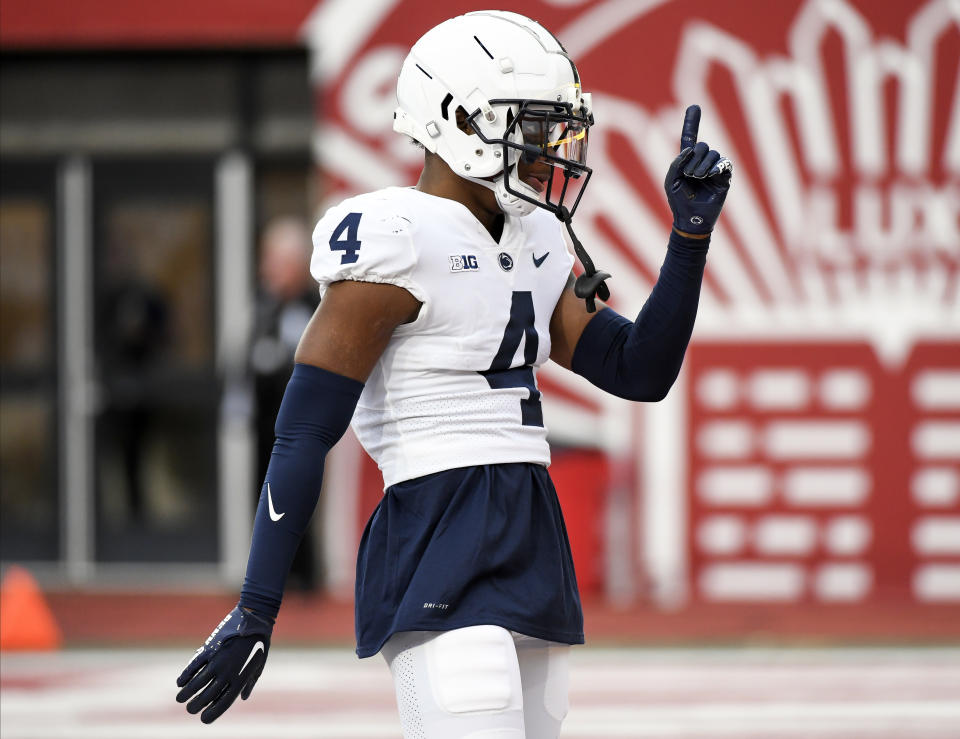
(697, 181)
(228, 664)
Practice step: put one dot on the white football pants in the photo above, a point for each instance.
(481, 682)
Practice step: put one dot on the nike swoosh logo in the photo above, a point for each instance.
(258, 647)
(274, 516)
(538, 262)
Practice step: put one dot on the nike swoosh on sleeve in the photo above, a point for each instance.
(274, 516)
(538, 262)
(258, 647)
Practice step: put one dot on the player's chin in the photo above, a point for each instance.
(540, 186)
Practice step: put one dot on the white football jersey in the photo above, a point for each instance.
(457, 386)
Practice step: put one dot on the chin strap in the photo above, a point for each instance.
(591, 284)
(511, 205)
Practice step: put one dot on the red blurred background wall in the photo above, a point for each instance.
(810, 453)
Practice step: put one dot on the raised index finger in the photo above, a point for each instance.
(691, 124)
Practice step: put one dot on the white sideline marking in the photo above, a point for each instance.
(322, 694)
(926, 719)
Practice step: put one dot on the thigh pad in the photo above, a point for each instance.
(474, 669)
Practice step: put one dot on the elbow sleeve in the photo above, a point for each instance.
(640, 360)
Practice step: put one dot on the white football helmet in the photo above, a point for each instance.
(520, 95)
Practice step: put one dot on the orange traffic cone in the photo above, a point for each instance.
(26, 621)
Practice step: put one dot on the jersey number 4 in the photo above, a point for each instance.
(349, 244)
(501, 375)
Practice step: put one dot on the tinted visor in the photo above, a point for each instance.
(557, 135)
(550, 132)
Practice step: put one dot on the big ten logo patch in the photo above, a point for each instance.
(463, 263)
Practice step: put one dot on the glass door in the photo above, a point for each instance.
(155, 457)
(29, 503)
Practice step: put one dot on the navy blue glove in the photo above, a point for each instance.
(697, 181)
(230, 661)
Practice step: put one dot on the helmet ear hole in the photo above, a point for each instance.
(462, 124)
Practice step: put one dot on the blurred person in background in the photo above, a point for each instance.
(133, 334)
(438, 302)
(286, 298)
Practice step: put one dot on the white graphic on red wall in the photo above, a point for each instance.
(811, 450)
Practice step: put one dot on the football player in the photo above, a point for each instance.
(439, 302)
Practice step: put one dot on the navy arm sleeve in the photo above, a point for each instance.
(316, 409)
(639, 360)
